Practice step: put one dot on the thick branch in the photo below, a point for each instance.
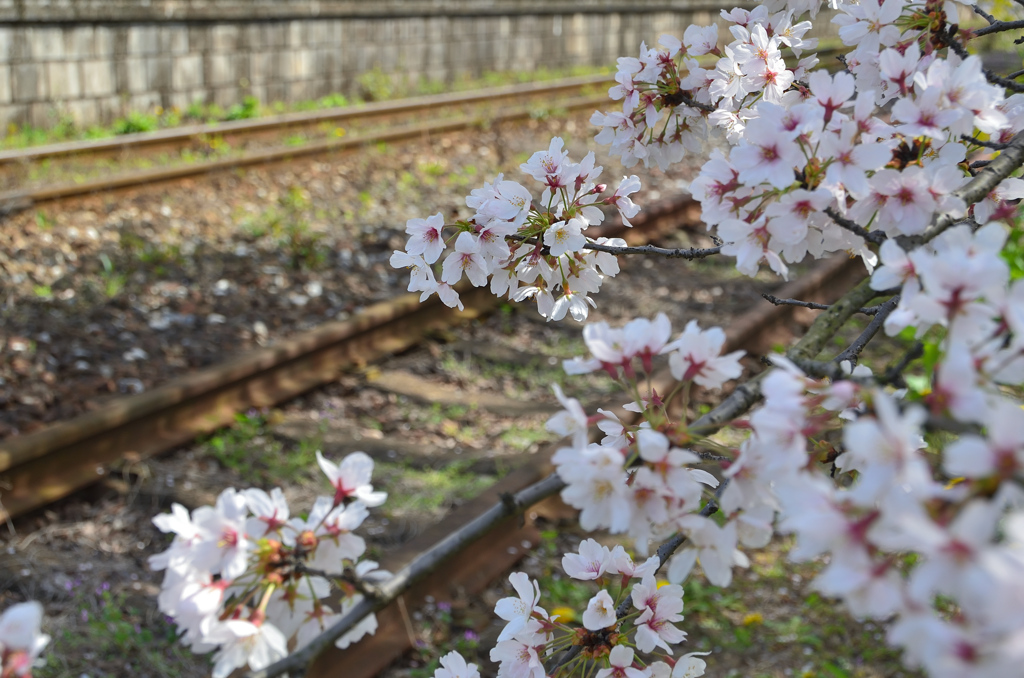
(875, 237)
(423, 565)
(826, 325)
(738, 402)
(974, 190)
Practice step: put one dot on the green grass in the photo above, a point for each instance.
(112, 637)
(372, 86)
(248, 449)
(774, 617)
(412, 491)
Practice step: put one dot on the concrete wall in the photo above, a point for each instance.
(96, 60)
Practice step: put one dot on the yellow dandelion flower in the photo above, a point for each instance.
(564, 614)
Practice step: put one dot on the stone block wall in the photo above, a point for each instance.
(96, 60)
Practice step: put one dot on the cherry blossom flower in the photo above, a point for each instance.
(454, 665)
(425, 237)
(660, 608)
(465, 260)
(244, 643)
(520, 657)
(695, 355)
(621, 660)
(600, 613)
(351, 479)
(591, 561)
(517, 611)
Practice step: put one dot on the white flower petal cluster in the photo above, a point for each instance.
(799, 149)
(661, 489)
(642, 613)
(527, 248)
(246, 578)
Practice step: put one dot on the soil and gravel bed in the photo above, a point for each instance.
(116, 294)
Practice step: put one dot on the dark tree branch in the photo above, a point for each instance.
(876, 237)
(866, 310)
(854, 350)
(738, 402)
(688, 253)
(894, 374)
(981, 142)
(687, 100)
(985, 15)
(832, 369)
(1009, 84)
(996, 26)
(948, 38)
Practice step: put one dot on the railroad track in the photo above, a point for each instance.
(43, 466)
(405, 116)
(386, 122)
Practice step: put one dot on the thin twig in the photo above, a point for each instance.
(981, 142)
(998, 26)
(833, 369)
(866, 310)
(688, 253)
(738, 402)
(689, 101)
(894, 374)
(985, 15)
(853, 351)
(1011, 85)
(876, 237)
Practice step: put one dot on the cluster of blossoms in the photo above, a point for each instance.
(671, 104)
(248, 579)
(20, 639)
(905, 531)
(664, 492)
(527, 249)
(632, 613)
(807, 146)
